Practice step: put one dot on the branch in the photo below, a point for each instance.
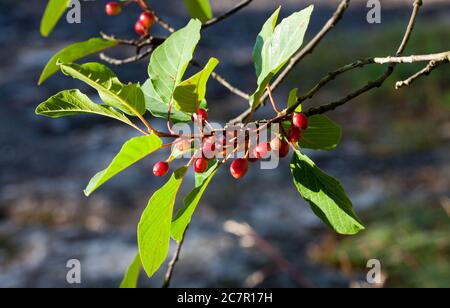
(229, 13)
(377, 82)
(331, 23)
(173, 262)
(411, 59)
(424, 72)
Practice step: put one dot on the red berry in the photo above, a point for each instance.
(113, 8)
(284, 149)
(201, 115)
(239, 168)
(147, 19)
(209, 147)
(140, 28)
(262, 150)
(294, 134)
(300, 120)
(200, 165)
(161, 168)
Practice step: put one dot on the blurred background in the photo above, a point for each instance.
(394, 160)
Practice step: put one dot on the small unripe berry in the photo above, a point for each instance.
(113, 8)
(183, 145)
(284, 149)
(140, 28)
(262, 150)
(147, 19)
(161, 168)
(239, 168)
(200, 165)
(300, 120)
(294, 134)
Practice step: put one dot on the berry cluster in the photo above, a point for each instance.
(144, 23)
(213, 145)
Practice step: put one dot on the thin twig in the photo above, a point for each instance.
(173, 262)
(227, 14)
(380, 80)
(114, 61)
(424, 72)
(220, 79)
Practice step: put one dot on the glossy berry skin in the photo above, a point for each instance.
(239, 168)
(140, 28)
(262, 150)
(113, 8)
(147, 19)
(284, 149)
(209, 147)
(201, 115)
(294, 134)
(161, 168)
(200, 165)
(300, 120)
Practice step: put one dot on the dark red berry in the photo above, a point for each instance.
(140, 28)
(294, 134)
(300, 120)
(200, 165)
(239, 168)
(113, 8)
(284, 149)
(161, 168)
(201, 115)
(147, 19)
(262, 150)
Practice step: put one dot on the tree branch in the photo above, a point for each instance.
(229, 13)
(173, 262)
(377, 82)
(424, 72)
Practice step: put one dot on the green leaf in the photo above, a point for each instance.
(322, 134)
(131, 278)
(73, 102)
(292, 100)
(74, 52)
(155, 225)
(158, 108)
(53, 13)
(184, 215)
(200, 9)
(169, 61)
(127, 98)
(325, 194)
(274, 48)
(190, 93)
(132, 151)
(263, 37)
